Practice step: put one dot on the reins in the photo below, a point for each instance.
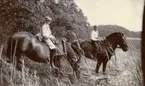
(112, 52)
(111, 49)
(64, 47)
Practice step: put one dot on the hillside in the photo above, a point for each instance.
(122, 70)
(23, 15)
(105, 30)
(28, 15)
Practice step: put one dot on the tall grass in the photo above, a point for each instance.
(129, 72)
(9, 76)
(124, 71)
(32, 74)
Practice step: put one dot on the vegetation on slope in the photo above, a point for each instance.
(28, 15)
(105, 30)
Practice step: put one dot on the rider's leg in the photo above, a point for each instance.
(52, 57)
(96, 46)
(53, 51)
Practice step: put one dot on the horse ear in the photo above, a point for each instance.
(119, 33)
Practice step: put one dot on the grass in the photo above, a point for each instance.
(124, 71)
(128, 65)
(9, 76)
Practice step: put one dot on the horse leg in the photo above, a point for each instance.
(104, 66)
(57, 65)
(52, 57)
(73, 60)
(19, 62)
(75, 66)
(98, 66)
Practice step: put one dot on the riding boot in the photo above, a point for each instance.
(52, 57)
(97, 48)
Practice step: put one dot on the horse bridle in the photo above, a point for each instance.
(110, 48)
(109, 44)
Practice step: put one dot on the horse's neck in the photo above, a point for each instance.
(112, 43)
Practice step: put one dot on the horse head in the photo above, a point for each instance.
(118, 39)
(122, 42)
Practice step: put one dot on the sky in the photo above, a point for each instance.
(125, 13)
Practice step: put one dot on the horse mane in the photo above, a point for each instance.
(113, 34)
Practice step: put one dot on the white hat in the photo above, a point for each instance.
(48, 18)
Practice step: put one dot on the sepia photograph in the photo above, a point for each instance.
(72, 43)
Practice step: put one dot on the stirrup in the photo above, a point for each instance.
(63, 54)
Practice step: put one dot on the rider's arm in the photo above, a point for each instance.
(94, 36)
(46, 32)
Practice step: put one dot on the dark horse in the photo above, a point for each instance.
(24, 43)
(106, 48)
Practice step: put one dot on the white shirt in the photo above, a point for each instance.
(94, 35)
(45, 31)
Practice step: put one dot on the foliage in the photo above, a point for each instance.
(125, 70)
(28, 15)
(105, 30)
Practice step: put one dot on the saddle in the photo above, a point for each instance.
(40, 38)
(103, 47)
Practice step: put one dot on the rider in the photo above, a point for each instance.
(48, 38)
(94, 38)
(96, 42)
(94, 33)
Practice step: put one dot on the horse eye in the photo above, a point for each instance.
(124, 38)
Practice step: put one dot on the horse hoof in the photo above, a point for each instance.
(97, 72)
(58, 75)
(77, 75)
(61, 74)
(104, 73)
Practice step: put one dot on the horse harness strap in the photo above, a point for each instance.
(64, 49)
(107, 54)
(110, 47)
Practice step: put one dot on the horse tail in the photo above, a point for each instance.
(64, 46)
(9, 48)
(77, 48)
(2, 49)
